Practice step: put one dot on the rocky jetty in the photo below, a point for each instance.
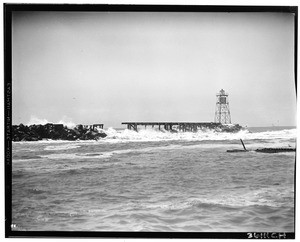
(55, 132)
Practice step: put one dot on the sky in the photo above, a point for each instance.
(113, 67)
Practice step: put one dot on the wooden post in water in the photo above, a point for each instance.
(243, 144)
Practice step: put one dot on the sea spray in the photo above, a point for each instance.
(145, 135)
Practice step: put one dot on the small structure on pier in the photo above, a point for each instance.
(100, 126)
(90, 127)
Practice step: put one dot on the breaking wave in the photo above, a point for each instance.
(154, 135)
(65, 121)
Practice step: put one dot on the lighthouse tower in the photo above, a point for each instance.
(222, 114)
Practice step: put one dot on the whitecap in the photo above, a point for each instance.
(145, 135)
(61, 147)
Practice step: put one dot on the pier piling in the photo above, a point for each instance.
(169, 126)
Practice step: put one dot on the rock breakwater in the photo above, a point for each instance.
(55, 132)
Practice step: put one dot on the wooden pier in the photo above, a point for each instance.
(170, 126)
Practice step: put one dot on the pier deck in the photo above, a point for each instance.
(181, 126)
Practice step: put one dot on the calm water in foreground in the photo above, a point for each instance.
(155, 181)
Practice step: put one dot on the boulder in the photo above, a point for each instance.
(53, 131)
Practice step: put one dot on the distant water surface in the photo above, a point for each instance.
(156, 181)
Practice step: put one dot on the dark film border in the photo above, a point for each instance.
(154, 235)
(8, 9)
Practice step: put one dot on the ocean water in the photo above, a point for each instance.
(155, 181)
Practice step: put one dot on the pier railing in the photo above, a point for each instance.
(169, 126)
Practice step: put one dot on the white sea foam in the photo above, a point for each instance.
(65, 121)
(36, 120)
(62, 147)
(76, 156)
(101, 155)
(153, 135)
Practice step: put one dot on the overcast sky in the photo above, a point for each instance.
(112, 67)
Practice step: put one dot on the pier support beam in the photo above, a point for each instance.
(170, 126)
(132, 126)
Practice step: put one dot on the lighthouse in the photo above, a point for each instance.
(222, 114)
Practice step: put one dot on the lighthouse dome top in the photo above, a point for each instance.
(222, 93)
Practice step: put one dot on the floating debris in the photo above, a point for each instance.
(276, 150)
(264, 150)
(237, 150)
